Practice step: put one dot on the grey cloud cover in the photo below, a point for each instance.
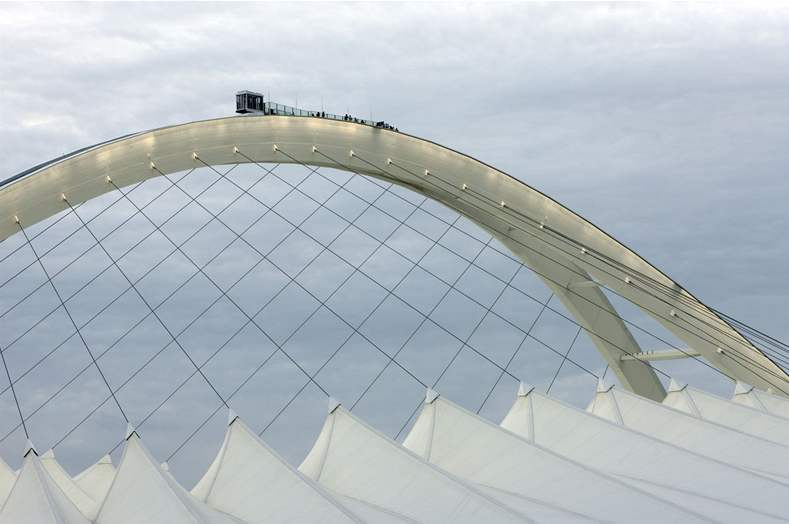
(667, 125)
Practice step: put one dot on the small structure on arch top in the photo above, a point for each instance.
(249, 102)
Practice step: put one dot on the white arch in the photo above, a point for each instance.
(505, 206)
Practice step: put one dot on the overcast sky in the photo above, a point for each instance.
(666, 125)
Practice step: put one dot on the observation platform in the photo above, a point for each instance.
(252, 103)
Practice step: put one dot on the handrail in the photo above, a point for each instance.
(273, 108)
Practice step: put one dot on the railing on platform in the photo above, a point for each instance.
(272, 108)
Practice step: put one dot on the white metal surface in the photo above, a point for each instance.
(667, 354)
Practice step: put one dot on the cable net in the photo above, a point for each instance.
(266, 287)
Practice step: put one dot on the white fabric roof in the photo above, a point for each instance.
(97, 479)
(722, 492)
(352, 459)
(701, 436)
(251, 481)
(37, 499)
(143, 493)
(87, 505)
(7, 479)
(548, 462)
(372, 513)
(518, 470)
(761, 400)
(727, 413)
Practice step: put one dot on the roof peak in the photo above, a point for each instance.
(603, 386)
(231, 416)
(29, 447)
(431, 395)
(741, 388)
(130, 430)
(524, 389)
(675, 385)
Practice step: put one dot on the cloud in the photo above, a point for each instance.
(666, 125)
